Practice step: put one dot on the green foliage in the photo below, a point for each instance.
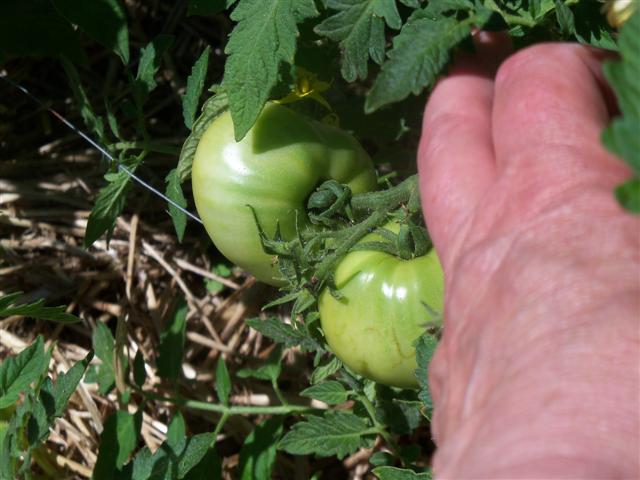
(258, 454)
(263, 39)
(419, 54)
(42, 401)
(359, 29)
(195, 86)
(213, 106)
(393, 473)
(110, 202)
(223, 381)
(335, 433)
(103, 374)
(36, 309)
(425, 347)
(117, 441)
(280, 332)
(331, 392)
(621, 137)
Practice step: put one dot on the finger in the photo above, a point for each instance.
(455, 158)
(549, 112)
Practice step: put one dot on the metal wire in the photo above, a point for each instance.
(100, 148)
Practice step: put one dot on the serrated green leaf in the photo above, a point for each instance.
(628, 195)
(331, 392)
(281, 332)
(103, 20)
(565, 19)
(109, 204)
(150, 60)
(170, 463)
(258, 453)
(591, 26)
(263, 39)
(93, 122)
(420, 53)
(436, 8)
(117, 442)
(195, 85)
(17, 373)
(425, 348)
(393, 473)
(359, 28)
(223, 381)
(326, 370)
(268, 370)
(337, 433)
(175, 193)
(213, 106)
(621, 137)
(34, 310)
(209, 468)
(401, 416)
(66, 384)
(52, 401)
(171, 349)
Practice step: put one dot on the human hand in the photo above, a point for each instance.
(538, 371)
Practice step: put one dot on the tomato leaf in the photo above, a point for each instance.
(280, 332)
(223, 381)
(264, 38)
(359, 28)
(150, 59)
(212, 107)
(336, 433)
(174, 462)
(91, 120)
(628, 194)
(103, 374)
(195, 85)
(34, 310)
(17, 373)
(425, 347)
(420, 52)
(117, 441)
(621, 136)
(175, 193)
(258, 453)
(331, 392)
(394, 473)
(110, 203)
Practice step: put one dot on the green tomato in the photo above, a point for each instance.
(274, 168)
(373, 327)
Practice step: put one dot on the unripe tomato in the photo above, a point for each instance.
(274, 168)
(373, 326)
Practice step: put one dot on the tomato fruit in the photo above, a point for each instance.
(373, 326)
(274, 168)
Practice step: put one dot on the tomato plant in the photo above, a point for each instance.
(274, 169)
(386, 303)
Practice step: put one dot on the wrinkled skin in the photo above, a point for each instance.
(537, 375)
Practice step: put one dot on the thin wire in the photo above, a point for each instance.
(100, 148)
